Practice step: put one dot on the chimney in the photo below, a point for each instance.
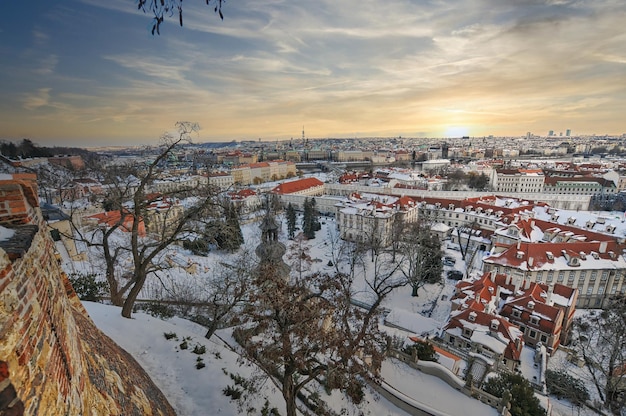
(530, 261)
(603, 245)
(518, 284)
(519, 244)
(492, 275)
(549, 294)
(508, 279)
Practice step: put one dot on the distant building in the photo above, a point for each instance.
(526, 181)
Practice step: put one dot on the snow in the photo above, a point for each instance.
(189, 391)
(6, 233)
(193, 391)
(432, 391)
(413, 322)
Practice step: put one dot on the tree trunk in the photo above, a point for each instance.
(211, 329)
(414, 289)
(289, 394)
(117, 297)
(127, 309)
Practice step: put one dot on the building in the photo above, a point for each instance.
(222, 180)
(490, 338)
(527, 181)
(305, 186)
(372, 218)
(596, 268)
(543, 313)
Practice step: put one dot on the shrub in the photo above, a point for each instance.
(424, 350)
(159, 310)
(87, 287)
(199, 349)
(523, 400)
(183, 345)
(562, 384)
(200, 363)
(232, 392)
(169, 335)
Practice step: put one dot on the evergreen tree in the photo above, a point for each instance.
(233, 227)
(291, 221)
(523, 400)
(307, 219)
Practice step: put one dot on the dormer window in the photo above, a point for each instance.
(516, 313)
(534, 320)
(595, 255)
(549, 255)
(494, 324)
(472, 316)
(573, 261)
(531, 304)
(467, 332)
(519, 255)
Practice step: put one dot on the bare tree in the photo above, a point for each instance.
(149, 221)
(227, 291)
(421, 256)
(162, 9)
(291, 335)
(601, 339)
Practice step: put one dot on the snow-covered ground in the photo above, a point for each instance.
(198, 392)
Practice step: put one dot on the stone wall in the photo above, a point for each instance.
(53, 360)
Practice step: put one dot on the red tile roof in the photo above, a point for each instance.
(297, 186)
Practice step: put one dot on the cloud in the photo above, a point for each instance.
(38, 99)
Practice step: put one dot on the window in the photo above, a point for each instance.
(583, 274)
(516, 313)
(522, 328)
(539, 276)
(605, 275)
(467, 332)
(594, 274)
(614, 289)
(561, 276)
(550, 276)
(544, 339)
(532, 334)
(601, 290)
(589, 290)
(534, 320)
(570, 277)
(452, 339)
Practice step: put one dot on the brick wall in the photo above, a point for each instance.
(52, 359)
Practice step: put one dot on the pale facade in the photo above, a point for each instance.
(517, 180)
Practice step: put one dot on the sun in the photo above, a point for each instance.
(456, 131)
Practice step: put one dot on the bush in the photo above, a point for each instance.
(232, 392)
(523, 401)
(169, 335)
(200, 363)
(87, 287)
(562, 384)
(199, 349)
(425, 351)
(158, 310)
(183, 345)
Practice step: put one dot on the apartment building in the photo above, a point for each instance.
(527, 181)
(596, 268)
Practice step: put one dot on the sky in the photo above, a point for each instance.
(90, 73)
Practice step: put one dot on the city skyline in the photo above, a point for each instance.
(89, 73)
